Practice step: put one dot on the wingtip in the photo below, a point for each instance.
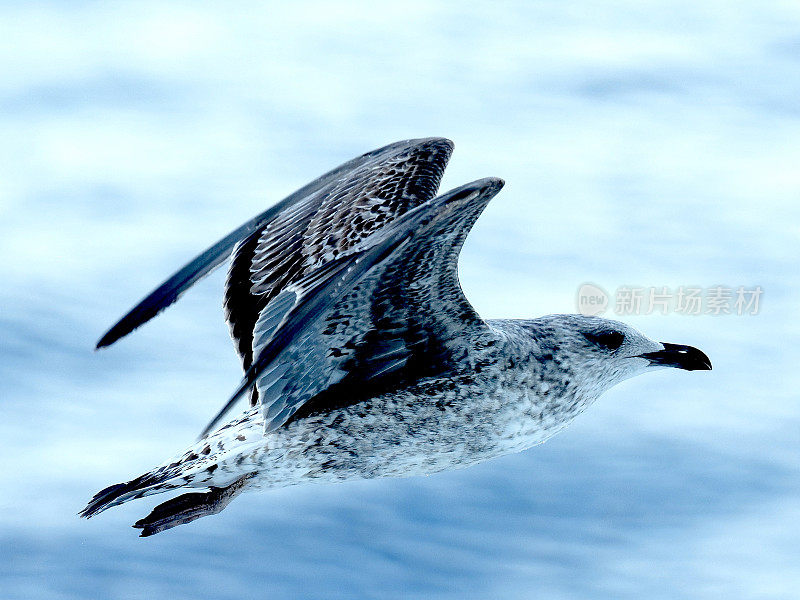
(146, 530)
(108, 338)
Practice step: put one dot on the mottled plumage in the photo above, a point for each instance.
(362, 356)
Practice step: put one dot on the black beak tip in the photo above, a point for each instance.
(687, 358)
(703, 363)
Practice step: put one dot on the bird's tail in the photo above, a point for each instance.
(213, 467)
(154, 482)
(169, 514)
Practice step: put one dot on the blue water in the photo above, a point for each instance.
(649, 144)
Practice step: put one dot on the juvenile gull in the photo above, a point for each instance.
(362, 356)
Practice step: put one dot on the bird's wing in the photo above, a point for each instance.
(299, 202)
(326, 226)
(389, 313)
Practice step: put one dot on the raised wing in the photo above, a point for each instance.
(326, 226)
(389, 314)
(299, 202)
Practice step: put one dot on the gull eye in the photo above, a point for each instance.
(610, 340)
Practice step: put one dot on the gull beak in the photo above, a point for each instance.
(688, 358)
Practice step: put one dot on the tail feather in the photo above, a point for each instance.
(199, 468)
(121, 492)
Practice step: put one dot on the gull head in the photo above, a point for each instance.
(600, 353)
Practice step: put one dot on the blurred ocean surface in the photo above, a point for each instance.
(651, 144)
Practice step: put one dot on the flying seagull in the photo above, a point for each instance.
(362, 356)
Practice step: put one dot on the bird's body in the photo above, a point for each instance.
(363, 358)
(506, 400)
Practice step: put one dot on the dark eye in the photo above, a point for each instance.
(610, 340)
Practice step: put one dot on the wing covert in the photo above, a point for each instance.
(394, 313)
(330, 224)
